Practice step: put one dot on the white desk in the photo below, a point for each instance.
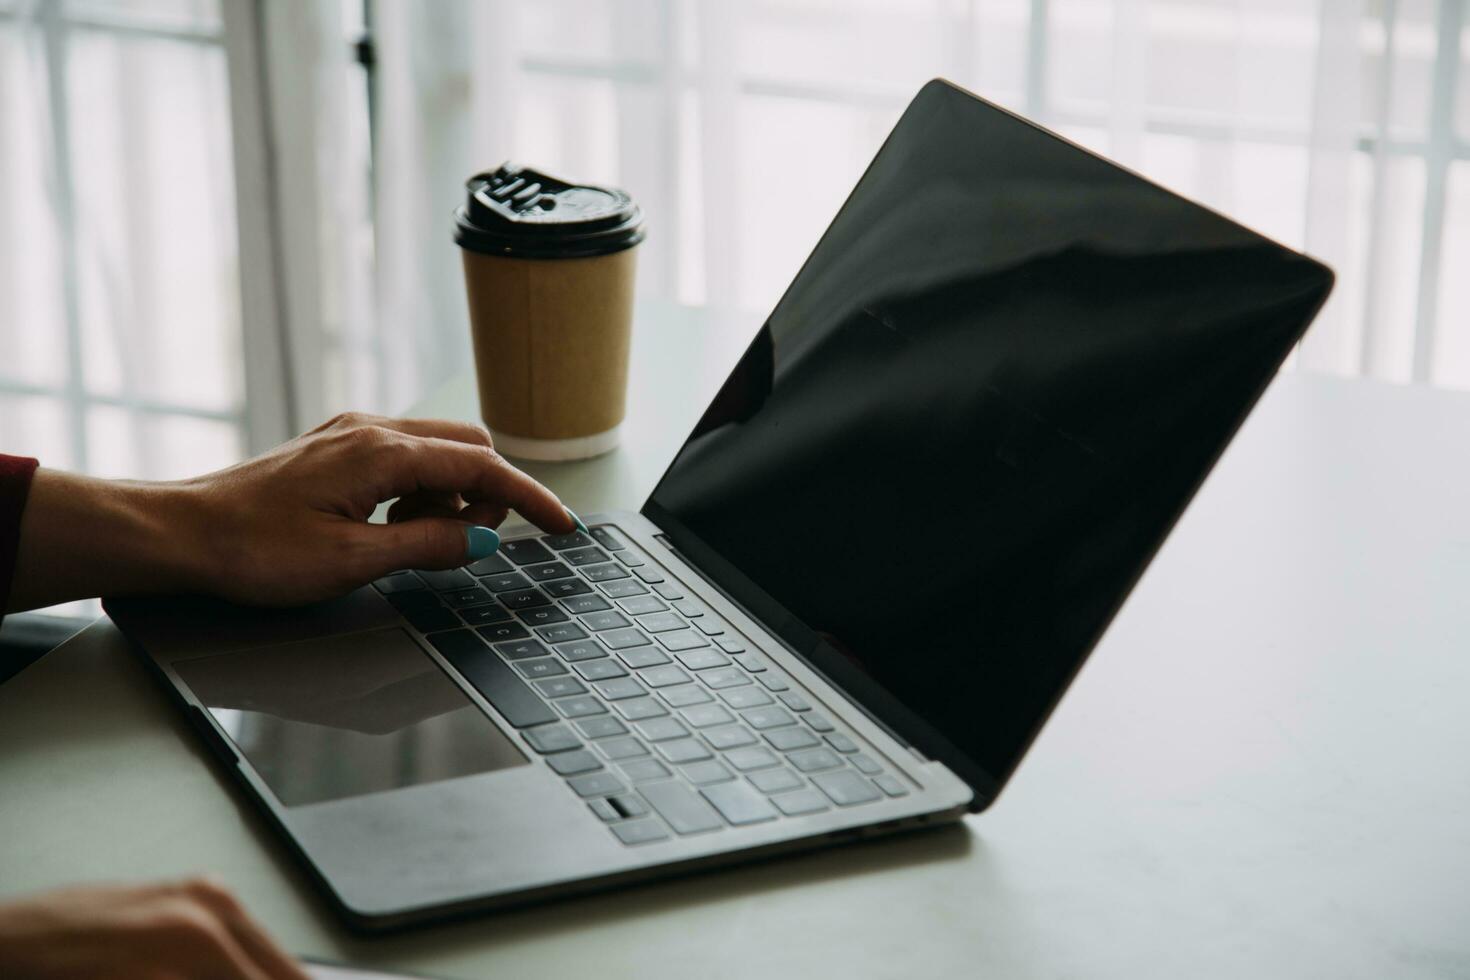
(1262, 772)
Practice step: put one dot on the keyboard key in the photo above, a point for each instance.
(773, 682)
(727, 738)
(579, 604)
(661, 622)
(802, 801)
(745, 697)
(642, 770)
(579, 707)
(609, 620)
(649, 574)
(621, 590)
(706, 772)
(643, 657)
(422, 599)
(595, 784)
(689, 608)
(662, 729)
(495, 681)
(619, 688)
(608, 539)
(484, 615)
(591, 555)
(503, 631)
(705, 715)
(685, 695)
(683, 750)
(601, 726)
(551, 738)
(702, 659)
(723, 677)
(815, 760)
(842, 743)
(431, 618)
(634, 832)
(753, 664)
(525, 599)
(795, 701)
(636, 709)
(571, 763)
(845, 788)
(449, 580)
(466, 597)
(561, 633)
(549, 571)
(399, 582)
(624, 638)
(604, 810)
(559, 687)
(682, 640)
(561, 542)
(621, 748)
(864, 764)
(710, 627)
(666, 675)
(520, 649)
(600, 670)
(542, 616)
(738, 803)
(580, 650)
(541, 667)
(774, 780)
(507, 582)
(604, 573)
(669, 590)
(818, 722)
(751, 757)
(526, 551)
(791, 739)
(641, 604)
(684, 809)
(630, 559)
(890, 785)
(730, 646)
(762, 718)
(567, 587)
(494, 565)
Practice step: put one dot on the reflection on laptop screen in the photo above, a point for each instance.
(971, 420)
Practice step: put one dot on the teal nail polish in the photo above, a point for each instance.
(576, 520)
(481, 542)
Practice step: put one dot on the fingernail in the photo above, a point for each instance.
(576, 520)
(481, 542)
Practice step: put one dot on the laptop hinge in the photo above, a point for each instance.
(693, 566)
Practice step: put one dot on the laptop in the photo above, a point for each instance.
(850, 602)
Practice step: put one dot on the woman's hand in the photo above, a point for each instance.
(190, 929)
(285, 528)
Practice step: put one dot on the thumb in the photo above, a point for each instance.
(429, 542)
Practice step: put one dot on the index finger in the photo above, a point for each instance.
(477, 473)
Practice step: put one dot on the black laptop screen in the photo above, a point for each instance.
(973, 417)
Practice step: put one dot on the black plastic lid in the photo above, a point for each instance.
(525, 213)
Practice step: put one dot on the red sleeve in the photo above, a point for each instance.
(15, 484)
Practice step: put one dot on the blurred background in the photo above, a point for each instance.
(223, 220)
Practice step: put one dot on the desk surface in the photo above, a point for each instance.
(1262, 771)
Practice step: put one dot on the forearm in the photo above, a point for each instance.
(81, 537)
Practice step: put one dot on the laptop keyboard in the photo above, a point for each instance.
(642, 699)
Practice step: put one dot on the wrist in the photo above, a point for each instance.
(82, 538)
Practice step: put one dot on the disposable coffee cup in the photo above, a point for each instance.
(548, 269)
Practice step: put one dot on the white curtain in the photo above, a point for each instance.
(1338, 126)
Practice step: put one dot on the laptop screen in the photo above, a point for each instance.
(970, 422)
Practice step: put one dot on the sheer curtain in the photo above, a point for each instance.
(1338, 126)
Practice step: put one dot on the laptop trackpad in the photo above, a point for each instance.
(342, 716)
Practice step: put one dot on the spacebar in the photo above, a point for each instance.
(493, 678)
